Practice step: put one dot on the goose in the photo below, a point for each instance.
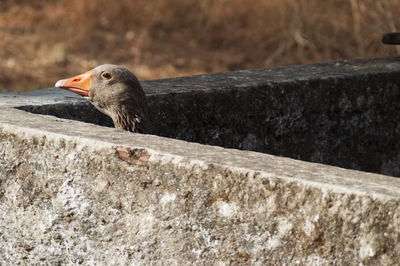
(114, 91)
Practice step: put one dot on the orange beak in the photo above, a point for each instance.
(79, 84)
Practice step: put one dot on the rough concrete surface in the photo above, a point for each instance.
(343, 114)
(77, 193)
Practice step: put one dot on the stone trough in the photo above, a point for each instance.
(290, 165)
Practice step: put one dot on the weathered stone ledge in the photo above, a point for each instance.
(74, 192)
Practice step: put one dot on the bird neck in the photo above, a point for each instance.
(131, 120)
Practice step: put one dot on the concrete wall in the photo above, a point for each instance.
(74, 192)
(343, 114)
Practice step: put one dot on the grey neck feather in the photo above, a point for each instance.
(132, 120)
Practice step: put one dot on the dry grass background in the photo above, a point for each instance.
(42, 41)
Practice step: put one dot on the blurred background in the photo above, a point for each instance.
(43, 41)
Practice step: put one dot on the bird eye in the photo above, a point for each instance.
(106, 75)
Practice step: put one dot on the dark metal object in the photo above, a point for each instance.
(391, 38)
